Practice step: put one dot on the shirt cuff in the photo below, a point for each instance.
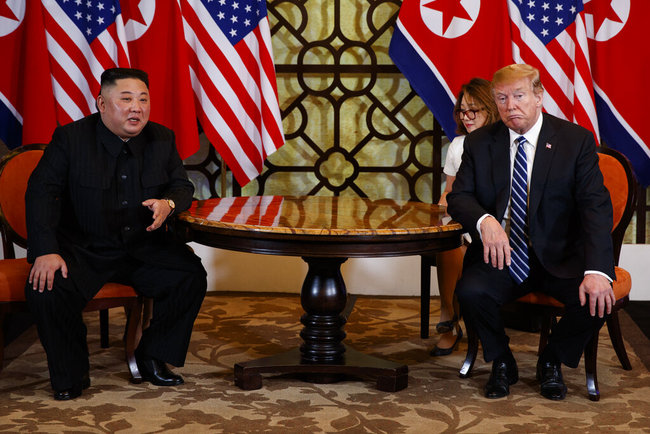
(478, 224)
(600, 273)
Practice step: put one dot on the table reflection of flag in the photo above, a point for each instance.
(233, 77)
(246, 210)
(83, 38)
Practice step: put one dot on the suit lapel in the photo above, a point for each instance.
(546, 147)
(501, 171)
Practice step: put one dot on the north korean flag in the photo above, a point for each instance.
(441, 44)
(620, 65)
(27, 107)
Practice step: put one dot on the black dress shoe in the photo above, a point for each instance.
(74, 391)
(504, 374)
(549, 375)
(156, 372)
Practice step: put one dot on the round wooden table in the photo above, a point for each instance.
(324, 231)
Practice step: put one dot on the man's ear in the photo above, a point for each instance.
(100, 103)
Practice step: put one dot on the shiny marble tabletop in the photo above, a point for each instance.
(319, 215)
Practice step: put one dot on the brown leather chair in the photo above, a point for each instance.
(15, 169)
(621, 183)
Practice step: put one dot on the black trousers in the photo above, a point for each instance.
(177, 296)
(483, 289)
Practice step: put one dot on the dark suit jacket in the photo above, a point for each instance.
(570, 212)
(72, 207)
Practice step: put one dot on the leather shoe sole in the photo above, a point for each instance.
(74, 391)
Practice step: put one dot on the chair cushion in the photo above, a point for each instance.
(615, 179)
(13, 185)
(623, 283)
(622, 286)
(13, 277)
(539, 298)
(112, 290)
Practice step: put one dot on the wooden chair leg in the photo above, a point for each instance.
(425, 295)
(103, 328)
(133, 334)
(591, 353)
(614, 328)
(548, 322)
(472, 351)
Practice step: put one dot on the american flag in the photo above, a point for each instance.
(233, 78)
(84, 37)
(551, 36)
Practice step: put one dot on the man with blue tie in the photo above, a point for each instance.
(531, 193)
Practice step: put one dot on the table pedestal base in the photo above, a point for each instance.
(323, 357)
(390, 376)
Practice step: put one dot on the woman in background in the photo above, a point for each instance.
(474, 108)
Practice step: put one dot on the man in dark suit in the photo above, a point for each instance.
(531, 193)
(96, 206)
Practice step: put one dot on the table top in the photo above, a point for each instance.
(319, 215)
(319, 226)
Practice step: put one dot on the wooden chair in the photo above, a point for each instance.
(15, 169)
(621, 183)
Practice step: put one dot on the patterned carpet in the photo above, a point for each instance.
(233, 328)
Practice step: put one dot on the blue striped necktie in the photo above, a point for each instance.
(519, 267)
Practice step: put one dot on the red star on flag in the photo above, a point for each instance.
(131, 11)
(601, 10)
(6, 12)
(449, 9)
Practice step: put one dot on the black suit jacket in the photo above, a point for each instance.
(72, 207)
(570, 212)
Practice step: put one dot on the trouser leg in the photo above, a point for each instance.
(481, 292)
(570, 336)
(59, 321)
(177, 296)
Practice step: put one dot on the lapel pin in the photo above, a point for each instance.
(548, 146)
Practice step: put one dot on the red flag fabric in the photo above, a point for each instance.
(441, 44)
(233, 78)
(83, 39)
(156, 43)
(620, 68)
(27, 112)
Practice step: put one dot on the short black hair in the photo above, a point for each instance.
(110, 76)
